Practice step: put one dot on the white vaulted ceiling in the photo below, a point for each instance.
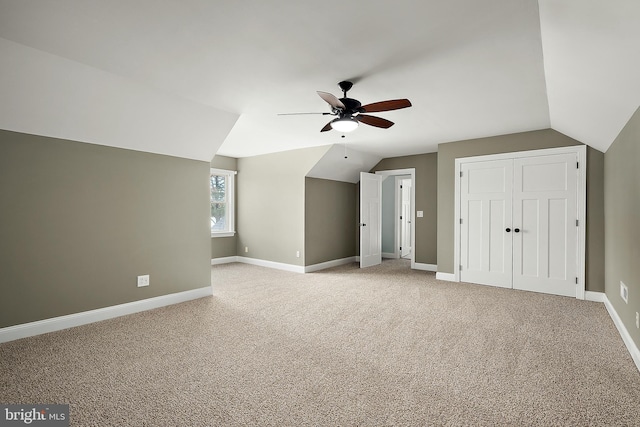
(192, 78)
(592, 66)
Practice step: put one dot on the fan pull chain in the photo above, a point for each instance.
(345, 148)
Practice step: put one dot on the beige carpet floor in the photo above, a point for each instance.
(383, 346)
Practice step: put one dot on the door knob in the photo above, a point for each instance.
(508, 230)
(517, 230)
(364, 225)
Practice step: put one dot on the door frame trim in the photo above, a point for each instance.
(397, 224)
(581, 198)
(412, 172)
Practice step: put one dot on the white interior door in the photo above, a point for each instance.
(485, 229)
(405, 215)
(545, 228)
(370, 219)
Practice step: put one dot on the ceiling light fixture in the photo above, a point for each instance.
(344, 124)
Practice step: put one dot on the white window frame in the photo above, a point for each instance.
(230, 195)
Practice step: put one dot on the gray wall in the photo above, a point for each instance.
(622, 211)
(330, 224)
(595, 268)
(79, 222)
(271, 203)
(548, 138)
(222, 247)
(426, 189)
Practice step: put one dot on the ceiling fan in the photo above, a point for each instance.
(350, 112)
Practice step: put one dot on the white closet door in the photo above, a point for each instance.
(544, 216)
(485, 203)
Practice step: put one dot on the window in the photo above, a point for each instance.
(222, 195)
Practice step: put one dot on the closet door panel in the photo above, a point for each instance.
(545, 213)
(486, 214)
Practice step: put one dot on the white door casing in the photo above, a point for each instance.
(405, 217)
(411, 174)
(549, 211)
(370, 219)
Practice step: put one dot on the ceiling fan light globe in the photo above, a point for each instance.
(344, 124)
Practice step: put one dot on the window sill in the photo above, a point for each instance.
(223, 234)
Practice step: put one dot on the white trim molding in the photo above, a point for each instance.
(329, 264)
(628, 341)
(271, 264)
(389, 255)
(259, 263)
(25, 330)
(594, 296)
(409, 172)
(225, 260)
(223, 234)
(282, 266)
(425, 267)
(447, 277)
(229, 199)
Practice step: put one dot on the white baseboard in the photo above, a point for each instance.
(389, 255)
(449, 277)
(329, 264)
(272, 264)
(63, 322)
(282, 266)
(425, 267)
(594, 296)
(225, 260)
(308, 268)
(628, 341)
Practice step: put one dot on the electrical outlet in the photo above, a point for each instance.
(143, 281)
(624, 292)
(420, 214)
(246, 248)
(637, 320)
(297, 254)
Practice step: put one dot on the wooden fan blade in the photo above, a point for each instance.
(393, 104)
(327, 127)
(332, 100)
(378, 122)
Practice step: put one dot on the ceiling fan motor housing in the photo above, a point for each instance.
(352, 105)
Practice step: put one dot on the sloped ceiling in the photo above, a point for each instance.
(592, 66)
(340, 163)
(192, 78)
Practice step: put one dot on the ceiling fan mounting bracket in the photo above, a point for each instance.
(345, 86)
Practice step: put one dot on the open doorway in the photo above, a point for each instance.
(403, 186)
(398, 202)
